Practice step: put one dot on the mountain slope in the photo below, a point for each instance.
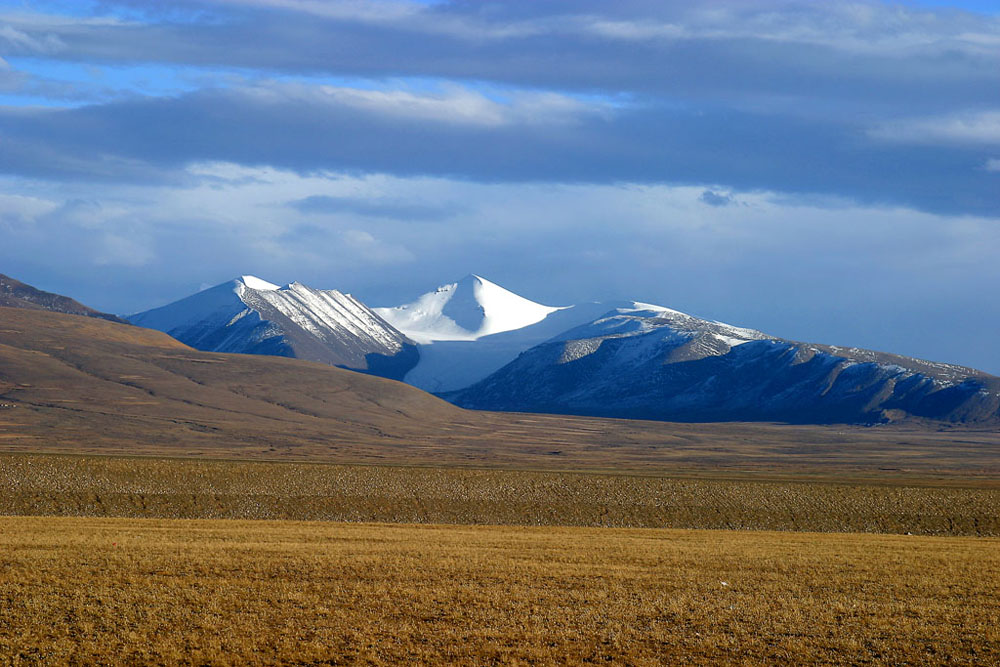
(86, 384)
(655, 363)
(252, 316)
(15, 294)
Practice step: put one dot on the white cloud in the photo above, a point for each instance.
(975, 129)
(993, 164)
(338, 9)
(20, 40)
(23, 209)
(452, 104)
(116, 250)
(863, 27)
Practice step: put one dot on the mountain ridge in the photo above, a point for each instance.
(15, 294)
(651, 362)
(489, 349)
(253, 316)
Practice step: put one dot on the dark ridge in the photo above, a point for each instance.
(15, 294)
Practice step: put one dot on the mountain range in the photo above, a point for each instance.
(481, 346)
(84, 385)
(650, 362)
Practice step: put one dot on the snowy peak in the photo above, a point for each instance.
(465, 311)
(255, 283)
(253, 316)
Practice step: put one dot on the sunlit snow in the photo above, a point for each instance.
(464, 311)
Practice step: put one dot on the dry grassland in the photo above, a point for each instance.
(186, 488)
(126, 591)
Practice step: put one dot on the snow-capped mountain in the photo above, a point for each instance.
(482, 346)
(253, 316)
(464, 311)
(469, 329)
(645, 361)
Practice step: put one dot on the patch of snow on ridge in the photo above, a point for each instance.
(730, 341)
(464, 311)
(577, 349)
(640, 307)
(253, 282)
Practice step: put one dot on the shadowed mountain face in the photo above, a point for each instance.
(649, 362)
(252, 316)
(15, 294)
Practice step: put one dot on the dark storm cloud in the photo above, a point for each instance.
(150, 139)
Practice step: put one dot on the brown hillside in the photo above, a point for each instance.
(15, 294)
(84, 385)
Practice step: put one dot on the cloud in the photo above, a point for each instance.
(715, 199)
(779, 53)
(10, 79)
(295, 127)
(29, 42)
(456, 105)
(374, 207)
(115, 250)
(965, 129)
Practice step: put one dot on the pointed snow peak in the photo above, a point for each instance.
(472, 279)
(253, 282)
(467, 310)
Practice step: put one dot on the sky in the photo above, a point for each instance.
(821, 171)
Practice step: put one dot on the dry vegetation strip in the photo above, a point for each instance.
(187, 488)
(127, 591)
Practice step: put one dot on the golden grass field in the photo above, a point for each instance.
(191, 488)
(135, 591)
(131, 465)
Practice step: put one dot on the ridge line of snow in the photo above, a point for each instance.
(253, 282)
